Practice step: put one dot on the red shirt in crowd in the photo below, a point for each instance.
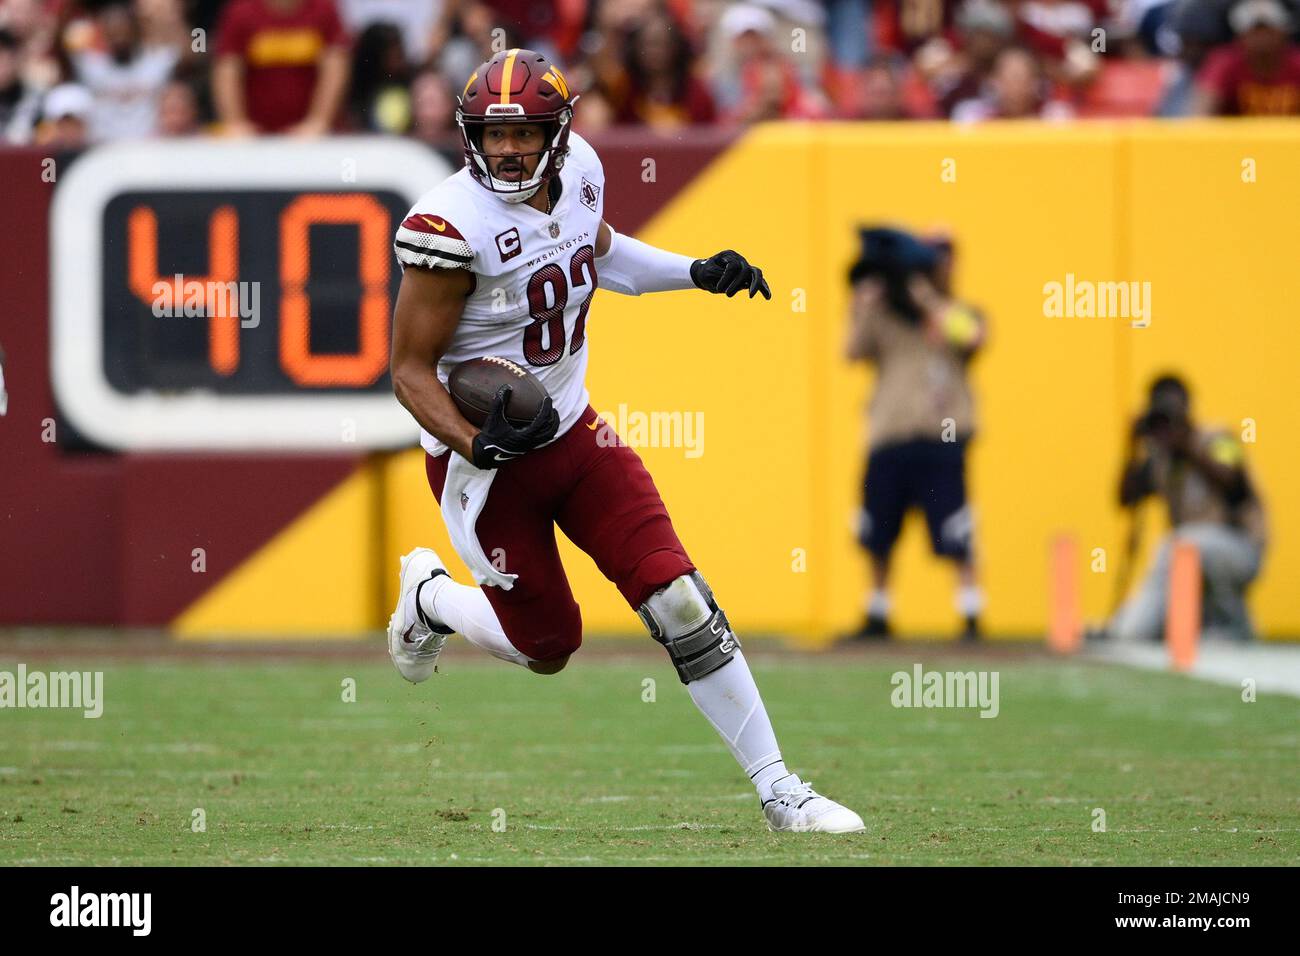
(1243, 93)
(281, 48)
(906, 24)
(692, 106)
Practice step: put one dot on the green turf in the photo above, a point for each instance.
(586, 772)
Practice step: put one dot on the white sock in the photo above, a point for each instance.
(878, 606)
(466, 611)
(970, 600)
(729, 700)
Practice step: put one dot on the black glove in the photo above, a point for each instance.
(499, 442)
(729, 272)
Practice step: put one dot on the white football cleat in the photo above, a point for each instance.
(413, 644)
(796, 807)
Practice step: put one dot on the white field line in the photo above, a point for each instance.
(1275, 668)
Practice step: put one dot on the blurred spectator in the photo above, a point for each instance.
(163, 23)
(282, 67)
(1197, 28)
(1061, 32)
(744, 32)
(470, 27)
(553, 28)
(764, 84)
(878, 92)
(419, 23)
(907, 25)
(126, 77)
(847, 33)
(597, 67)
(178, 110)
(34, 25)
(1017, 89)
(1259, 74)
(380, 100)
(65, 117)
(594, 115)
(657, 86)
(983, 30)
(20, 105)
(800, 33)
(1150, 24)
(433, 109)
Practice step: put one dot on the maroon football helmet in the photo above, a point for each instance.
(516, 86)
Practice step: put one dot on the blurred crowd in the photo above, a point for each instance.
(74, 72)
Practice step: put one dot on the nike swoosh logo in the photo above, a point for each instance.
(439, 225)
(501, 457)
(406, 635)
(593, 424)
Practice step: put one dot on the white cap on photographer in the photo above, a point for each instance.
(1253, 13)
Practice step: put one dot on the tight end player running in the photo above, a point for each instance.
(502, 259)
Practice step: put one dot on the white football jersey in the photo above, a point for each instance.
(534, 274)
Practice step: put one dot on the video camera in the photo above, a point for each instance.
(895, 256)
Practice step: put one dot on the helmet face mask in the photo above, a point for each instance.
(550, 158)
(516, 86)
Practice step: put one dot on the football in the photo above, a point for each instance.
(473, 386)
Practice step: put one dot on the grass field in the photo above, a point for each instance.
(580, 770)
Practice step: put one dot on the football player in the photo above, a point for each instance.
(502, 259)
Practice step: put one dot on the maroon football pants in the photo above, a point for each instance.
(600, 494)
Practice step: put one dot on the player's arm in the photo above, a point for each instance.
(632, 267)
(429, 307)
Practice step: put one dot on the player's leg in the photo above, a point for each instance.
(684, 617)
(615, 514)
(537, 622)
(538, 615)
(941, 477)
(446, 606)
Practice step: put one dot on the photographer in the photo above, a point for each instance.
(1201, 475)
(921, 415)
